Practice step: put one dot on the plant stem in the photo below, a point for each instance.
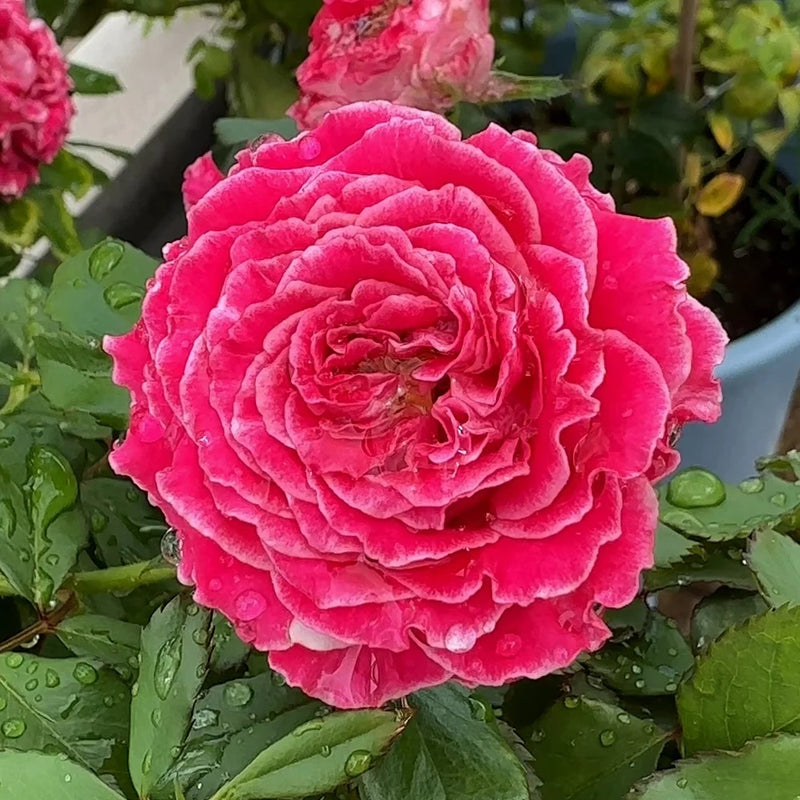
(113, 579)
(683, 71)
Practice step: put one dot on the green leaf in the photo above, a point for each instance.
(588, 750)
(651, 663)
(19, 222)
(715, 566)
(93, 81)
(764, 770)
(258, 88)
(746, 686)
(38, 774)
(228, 650)
(297, 15)
(174, 663)
(55, 221)
(775, 560)
(232, 130)
(507, 87)
(755, 504)
(318, 756)
(36, 412)
(70, 173)
(111, 641)
(125, 527)
(451, 749)
(21, 314)
(40, 531)
(715, 614)
(672, 547)
(99, 291)
(232, 723)
(667, 117)
(67, 705)
(74, 351)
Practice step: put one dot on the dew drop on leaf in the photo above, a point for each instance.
(237, 694)
(752, 485)
(14, 660)
(84, 673)
(13, 728)
(167, 663)
(607, 738)
(695, 488)
(358, 762)
(104, 258)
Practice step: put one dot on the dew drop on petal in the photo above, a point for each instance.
(309, 148)
(249, 605)
(508, 645)
(459, 639)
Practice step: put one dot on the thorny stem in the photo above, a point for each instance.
(47, 624)
(683, 65)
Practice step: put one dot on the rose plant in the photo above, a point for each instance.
(343, 303)
(37, 171)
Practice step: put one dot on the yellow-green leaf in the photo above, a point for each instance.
(722, 130)
(720, 194)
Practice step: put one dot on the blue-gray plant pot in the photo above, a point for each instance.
(758, 377)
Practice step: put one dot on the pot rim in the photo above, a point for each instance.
(765, 344)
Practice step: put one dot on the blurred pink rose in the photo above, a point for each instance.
(421, 53)
(198, 179)
(35, 103)
(403, 395)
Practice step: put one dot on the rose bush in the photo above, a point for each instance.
(200, 177)
(35, 104)
(403, 397)
(424, 54)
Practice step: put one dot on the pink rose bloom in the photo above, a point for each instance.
(421, 53)
(407, 423)
(199, 178)
(35, 104)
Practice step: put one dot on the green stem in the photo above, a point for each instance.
(113, 579)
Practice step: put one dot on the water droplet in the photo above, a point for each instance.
(607, 738)
(358, 762)
(752, 485)
(135, 689)
(32, 685)
(778, 499)
(147, 762)
(8, 519)
(249, 605)
(624, 718)
(695, 488)
(636, 669)
(3, 703)
(508, 645)
(52, 559)
(537, 736)
(479, 710)
(682, 783)
(167, 663)
(200, 636)
(13, 728)
(309, 147)
(51, 486)
(325, 750)
(571, 701)
(98, 520)
(122, 294)
(171, 547)
(150, 429)
(671, 687)
(104, 258)
(14, 660)
(640, 684)
(175, 751)
(67, 778)
(84, 673)
(215, 584)
(155, 717)
(205, 718)
(237, 694)
(108, 701)
(672, 651)
(460, 639)
(682, 520)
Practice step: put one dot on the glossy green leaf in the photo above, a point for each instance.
(317, 756)
(747, 685)
(672, 547)
(451, 749)
(757, 503)
(68, 705)
(651, 663)
(40, 775)
(36, 413)
(21, 317)
(775, 560)
(763, 770)
(124, 526)
(228, 650)
(55, 220)
(111, 641)
(724, 567)
(174, 655)
(41, 532)
(231, 724)
(71, 173)
(259, 88)
(715, 614)
(99, 291)
(93, 81)
(588, 750)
